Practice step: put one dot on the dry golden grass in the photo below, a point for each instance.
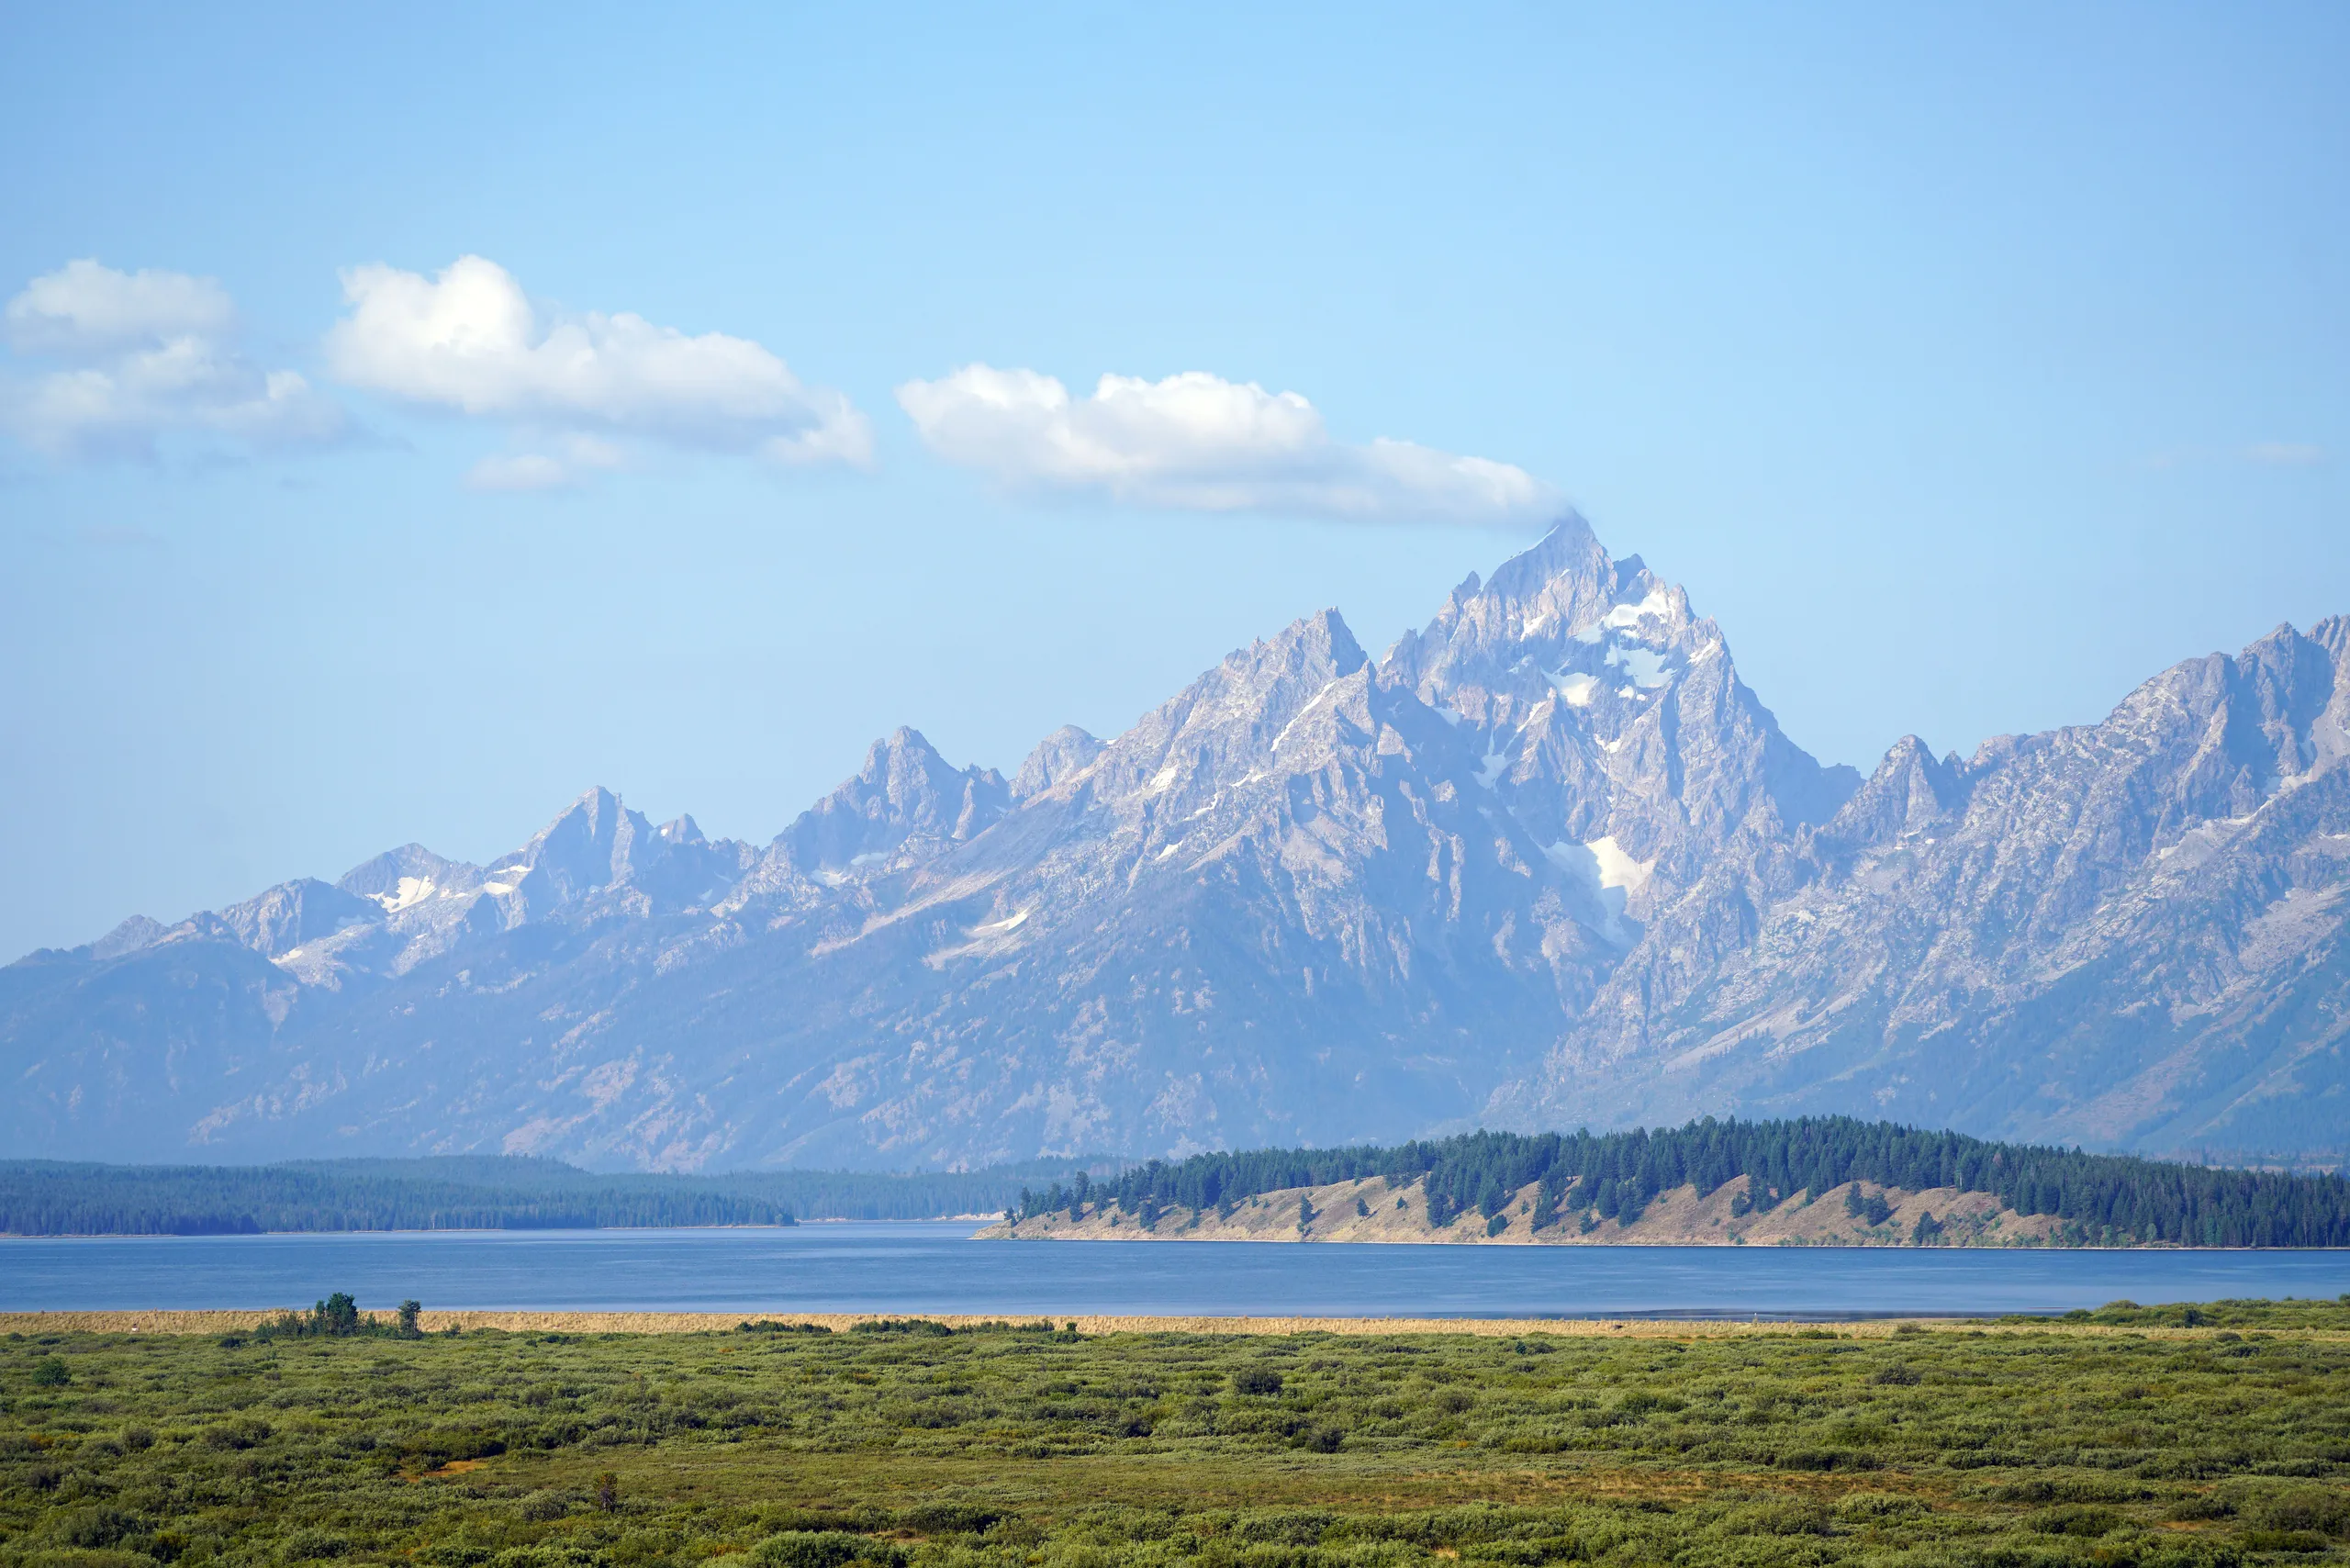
(243, 1320)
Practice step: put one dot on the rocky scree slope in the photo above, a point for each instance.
(1548, 863)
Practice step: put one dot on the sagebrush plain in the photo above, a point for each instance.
(2132, 1436)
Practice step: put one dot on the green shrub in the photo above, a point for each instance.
(1295, 1528)
(824, 1549)
(1828, 1459)
(240, 1434)
(89, 1527)
(2204, 1507)
(1805, 1516)
(2326, 1513)
(2085, 1522)
(1876, 1507)
(2285, 1541)
(952, 1519)
(311, 1546)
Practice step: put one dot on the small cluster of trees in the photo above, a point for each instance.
(1615, 1176)
(338, 1316)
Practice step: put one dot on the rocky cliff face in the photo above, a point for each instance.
(2127, 934)
(1549, 862)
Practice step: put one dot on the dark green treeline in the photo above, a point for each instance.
(2101, 1198)
(466, 1192)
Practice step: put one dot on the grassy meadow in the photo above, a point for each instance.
(2209, 1436)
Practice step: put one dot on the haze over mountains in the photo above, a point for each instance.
(1546, 863)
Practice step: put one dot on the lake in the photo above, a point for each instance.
(935, 1267)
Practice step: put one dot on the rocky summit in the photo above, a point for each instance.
(1547, 862)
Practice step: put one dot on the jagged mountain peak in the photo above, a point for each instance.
(1609, 717)
(1320, 646)
(1566, 564)
(129, 937)
(395, 875)
(1317, 647)
(1224, 725)
(906, 798)
(1565, 575)
(1548, 856)
(1910, 792)
(593, 815)
(1062, 754)
(2114, 932)
(294, 914)
(1559, 619)
(904, 753)
(591, 844)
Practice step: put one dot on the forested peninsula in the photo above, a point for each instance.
(469, 1192)
(1815, 1180)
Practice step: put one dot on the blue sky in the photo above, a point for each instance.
(1969, 364)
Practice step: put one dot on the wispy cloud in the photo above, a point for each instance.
(517, 471)
(2263, 454)
(580, 454)
(470, 339)
(142, 355)
(1196, 442)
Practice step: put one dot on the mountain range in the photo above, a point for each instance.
(1546, 863)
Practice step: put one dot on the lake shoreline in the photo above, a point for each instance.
(714, 1278)
(1736, 1213)
(164, 1321)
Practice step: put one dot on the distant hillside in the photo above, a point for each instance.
(1816, 1181)
(466, 1192)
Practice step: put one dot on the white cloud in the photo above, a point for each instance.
(147, 354)
(472, 341)
(520, 471)
(541, 471)
(84, 310)
(1197, 442)
(2285, 454)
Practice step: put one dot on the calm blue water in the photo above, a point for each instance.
(916, 1268)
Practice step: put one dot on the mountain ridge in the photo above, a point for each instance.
(1546, 862)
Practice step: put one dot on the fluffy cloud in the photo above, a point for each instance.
(1197, 442)
(472, 341)
(146, 354)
